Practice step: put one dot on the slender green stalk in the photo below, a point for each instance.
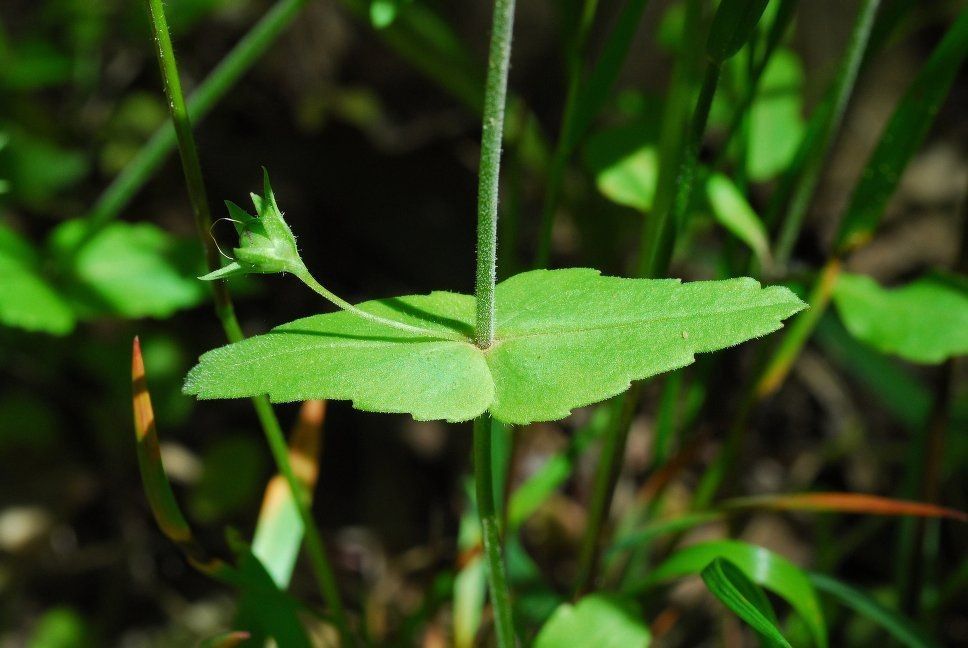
(606, 477)
(495, 96)
(656, 251)
(196, 190)
(814, 149)
(563, 147)
(491, 532)
(235, 64)
(307, 278)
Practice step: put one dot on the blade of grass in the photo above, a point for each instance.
(809, 160)
(898, 626)
(209, 92)
(762, 566)
(225, 311)
(730, 585)
(844, 503)
(279, 530)
(582, 103)
(161, 498)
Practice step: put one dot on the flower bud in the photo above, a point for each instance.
(266, 244)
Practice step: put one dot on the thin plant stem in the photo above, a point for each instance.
(680, 154)
(270, 424)
(307, 278)
(491, 532)
(495, 98)
(818, 145)
(209, 92)
(563, 147)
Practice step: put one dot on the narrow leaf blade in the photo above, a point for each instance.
(731, 586)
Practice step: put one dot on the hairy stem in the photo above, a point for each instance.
(223, 303)
(495, 97)
(487, 199)
(307, 278)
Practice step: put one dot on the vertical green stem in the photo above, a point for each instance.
(487, 199)
(564, 145)
(223, 304)
(489, 172)
(491, 532)
(814, 148)
(235, 64)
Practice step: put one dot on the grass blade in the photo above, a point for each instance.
(161, 498)
(899, 626)
(762, 566)
(844, 503)
(279, 531)
(903, 135)
(730, 585)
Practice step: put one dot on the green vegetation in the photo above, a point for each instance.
(539, 460)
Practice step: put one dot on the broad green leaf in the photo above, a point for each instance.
(564, 339)
(26, 300)
(37, 169)
(924, 321)
(625, 164)
(776, 117)
(899, 626)
(730, 585)
(909, 124)
(132, 270)
(760, 565)
(599, 620)
(732, 211)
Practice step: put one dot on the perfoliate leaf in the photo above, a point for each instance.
(732, 211)
(737, 592)
(600, 620)
(564, 339)
(26, 300)
(924, 321)
(132, 270)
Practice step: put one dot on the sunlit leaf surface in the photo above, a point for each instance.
(564, 339)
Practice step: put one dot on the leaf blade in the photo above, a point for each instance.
(731, 586)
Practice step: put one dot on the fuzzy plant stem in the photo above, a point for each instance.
(487, 199)
(226, 314)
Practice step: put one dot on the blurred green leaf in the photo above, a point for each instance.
(226, 640)
(32, 65)
(37, 169)
(599, 620)
(733, 25)
(131, 270)
(737, 592)
(924, 321)
(27, 300)
(902, 136)
(625, 163)
(732, 211)
(899, 626)
(233, 468)
(263, 609)
(384, 12)
(760, 565)
(279, 532)
(61, 628)
(776, 119)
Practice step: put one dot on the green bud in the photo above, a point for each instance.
(732, 27)
(266, 244)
